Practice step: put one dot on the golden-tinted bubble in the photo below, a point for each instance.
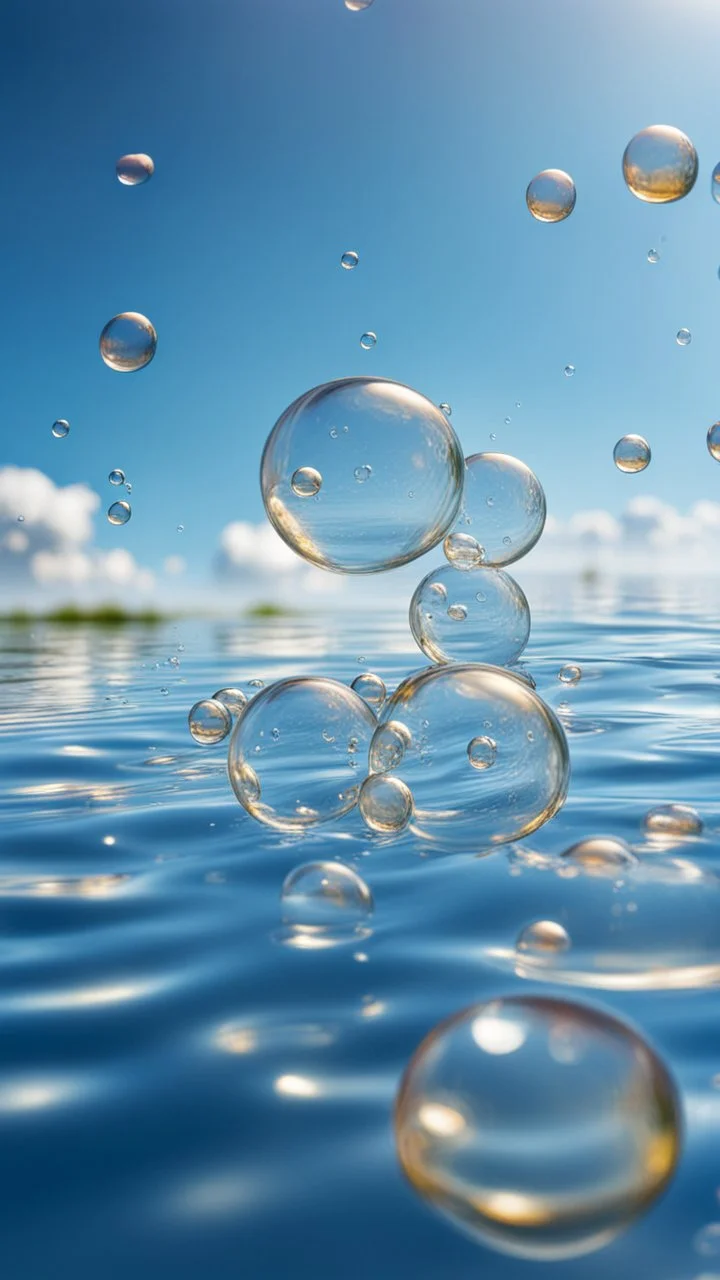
(631, 454)
(306, 482)
(551, 195)
(713, 441)
(603, 856)
(673, 820)
(209, 721)
(660, 164)
(543, 937)
(386, 804)
(133, 170)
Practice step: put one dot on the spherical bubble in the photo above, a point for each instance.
(570, 673)
(385, 803)
(569, 370)
(325, 900)
(600, 856)
(128, 486)
(542, 1127)
(306, 482)
(427, 725)
(713, 441)
(371, 689)
(673, 820)
(660, 164)
(133, 170)
(60, 429)
(355, 6)
(489, 603)
(234, 699)
(631, 453)
(128, 342)
(463, 551)
(551, 195)
(503, 507)
(209, 721)
(368, 340)
(117, 477)
(683, 337)
(481, 752)
(446, 408)
(298, 739)
(653, 256)
(119, 512)
(543, 937)
(349, 260)
(363, 422)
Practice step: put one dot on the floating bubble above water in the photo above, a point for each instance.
(489, 604)
(60, 428)
(368, 340)
(128, 342)
(371, 689)
(234, 699)
(683, 337)
(631, 454)
(463, 551)
(434, 715)
(660, 164)
(673, 820)
(481, 752)
(503, 507)
(713, 441)
(132, 170)
(209, 721)
(385, 803)
(543, 937)
(600, 856)
(325, 901)
(349, 260)
(119, 512)
(446, 408)
(570, 673)
(305, 773)
(551, 195)
(393, 430)
(653, 256)
(306, 482)
(540, 1126)
(117, 477)
(569, 370)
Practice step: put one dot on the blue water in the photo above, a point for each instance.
(148, 1007)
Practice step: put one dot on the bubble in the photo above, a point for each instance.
(491, 606)
(209, 721)
(306, 482)
(371, 689)
(128, 342)
(117, 477)
(60, 429)
(713, 441)
(385, 803)
(569, 370)
(570, 673)
(128, 487)
(600, 856)
(446, 408)
(234, 699)
(502, 499)
(355, 6)
(326, 902)
(21, 519)
(653, 256)
(631, 453)
(541, 1127)
(673, 820)
(435, 714)
(180, 528)
(119, 512)
(683, 337)
(349, 260)
(354, 528)
(303, 776)
(481, 752)
(463, 551)
(660, 164)
(551, 196)
(362, 474)
(133, 170)
(543, 937)
(368, 340)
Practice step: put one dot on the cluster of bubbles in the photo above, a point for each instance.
(119, 512)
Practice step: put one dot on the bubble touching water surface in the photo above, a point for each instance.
(490, 605)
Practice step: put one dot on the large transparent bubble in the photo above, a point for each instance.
(324, 903)
(551, 195)
(503, 509)
(128, 342)
(470, 615)
(297, 754)
(429, 724)
(390, 468)
(660, 164)
(541, 1127)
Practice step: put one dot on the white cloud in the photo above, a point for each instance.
(257, 556)
(174, 565)
(650, 535)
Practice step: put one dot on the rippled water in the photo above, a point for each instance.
(180, 1093)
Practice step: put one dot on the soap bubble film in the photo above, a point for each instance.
(209, 721)
(133, 170)
(60, 428)
(385, 803)
(632, 454)
(128, 342)
(551, 195)
(493, 611)
(325, 900)
(119, 513)
(503, 508)
(660, 164)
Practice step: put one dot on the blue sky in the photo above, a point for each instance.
(286, 131)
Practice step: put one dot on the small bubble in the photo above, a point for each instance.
(60, 428)
(463, 551)
(349, 259)
(683, 337)
(209, 721)
(507, 421)
(551, 196)
(128, 487)
(363, 473)
(481, 752)
(319, 898)
(507, 542)
(493, 436)
(21, 519)
(180, 528)
(543, 937)
(603, 856)
(631, 454)
(165, 692)
(234, 699)
(385, 803)
(333, 433)
(327, 737)
(653, 255)
(389, 745)
(119, 513)
(368, 340)
(371, 689)
(673, 820)
(306, 482)
(457, 612)
(569, 370)
(356, 6)
(446, 408)
(117, 477)
(128, 342)
(256, 684)
(530, 735)
(569, 674)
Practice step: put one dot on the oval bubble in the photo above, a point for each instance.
(407, 444)
(349, 260)
(209, 721)
(434, 715)
(601, 856)
(551, 195)
(543, 936)
(673, 820)
(496, 624)
(301, 739)
(660, 164)
(133, 170)
(541, 1127)
(128, 342)
(503, 507)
